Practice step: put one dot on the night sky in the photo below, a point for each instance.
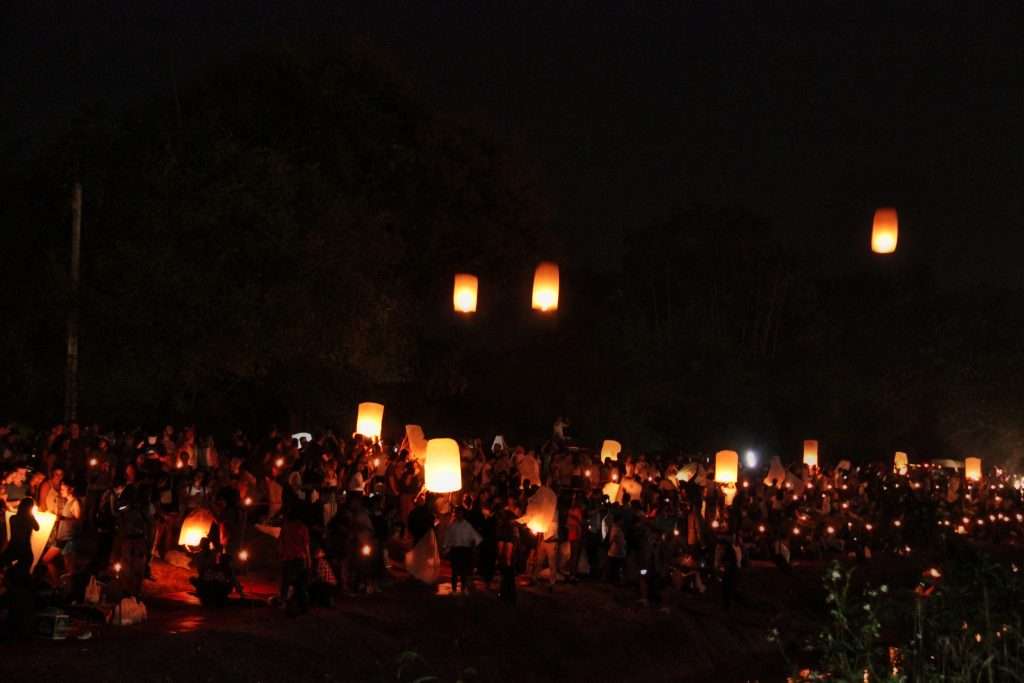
(811, 114)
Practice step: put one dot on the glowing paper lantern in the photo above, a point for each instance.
(884, 231)
(369, 419)
(900, 462)
(443, 468)
(972, 468)
(811, 453)
(610, 449)
(196, 527)
(40, 536)
(611, 489)
(727, 464)
(464, 293)
(417, 442)
(542, 512)
(545, 287)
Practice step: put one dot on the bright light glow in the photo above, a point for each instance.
(464, 293)
(972, 468)
(545, 287)
(885, 231)
(243, 556)
(196, 527)
(40, 536)
(610, 449)
(366, 550)
(726, 467)
(811, 453)
(750, 459)
(443, 467)
(369, 419)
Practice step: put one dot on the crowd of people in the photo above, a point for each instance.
(347, 511)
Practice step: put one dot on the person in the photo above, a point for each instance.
(17, 561)
(574, 536)
(459, 540)
(18, 554)
(215, 578)
(616, 549)
(60, 547)
(295, 562)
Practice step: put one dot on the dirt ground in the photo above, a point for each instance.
(584, 632)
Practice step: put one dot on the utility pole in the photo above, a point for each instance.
(71, 373)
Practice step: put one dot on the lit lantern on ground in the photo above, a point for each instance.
(727, 469)
(884, 231)
(610, 449)
(464, 293)
(40, 536)
(811, 453)
(900, 462)
(545, 287)
(369, 419)
(443, 467)
(972, 469)
(196, 527)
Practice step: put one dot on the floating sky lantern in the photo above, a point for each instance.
(196, 527)
(900, 462)
(972, 468)
(727, 467)
(369, 419)
(464, 293)
(884, 231)
(545, 287)
(443, 467)
(811, 453)
(610, 449)
(40, 536)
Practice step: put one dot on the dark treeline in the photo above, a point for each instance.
(277, 242)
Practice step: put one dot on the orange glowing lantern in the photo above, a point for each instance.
(727, 465)
(369, 419)
(610, 449)
(972, 468)
(884, 231)
(464, 293)
(196, 527)
(900, 462)
(811, 453)
(443, 467)
(545, 287)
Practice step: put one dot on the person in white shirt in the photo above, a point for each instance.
(460, 539)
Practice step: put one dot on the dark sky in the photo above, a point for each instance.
(811, 114)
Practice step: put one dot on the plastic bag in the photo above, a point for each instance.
(129, 611)
(93, 591)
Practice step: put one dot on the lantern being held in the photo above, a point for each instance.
(610, 449)
(464, 293)
(972, 469)
(811, 453)
(545, 287)
(884, 231)
(196, 527)
(900, 462)
(443, 467)
(727, 465)
(369, 419)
